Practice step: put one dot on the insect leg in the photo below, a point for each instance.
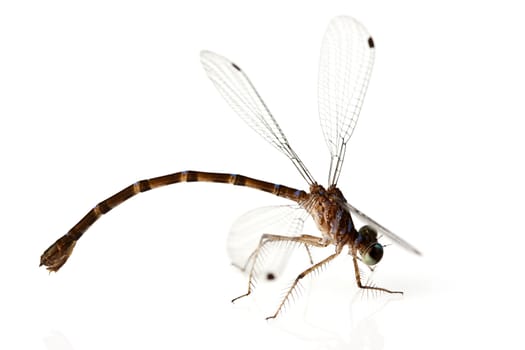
(307, 240)
(362, 286)
(301, 276)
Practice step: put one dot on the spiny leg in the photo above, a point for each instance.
(307, 240)
(301, 276)
(362, 286)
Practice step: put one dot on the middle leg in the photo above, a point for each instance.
(306, 240)
(300, 277)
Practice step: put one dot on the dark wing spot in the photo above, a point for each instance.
(270, 276)
(371, 43)
(236, 66)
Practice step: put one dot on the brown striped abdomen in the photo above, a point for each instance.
(58, 253)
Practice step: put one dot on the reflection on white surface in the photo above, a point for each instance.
(331, 313)
(57, 341)
(354, 331)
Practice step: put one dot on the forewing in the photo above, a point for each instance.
(347, 57)
(246, 232)
(239, 92)
(382, 230)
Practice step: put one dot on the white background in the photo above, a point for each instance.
(99, 94)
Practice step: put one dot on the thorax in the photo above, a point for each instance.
(330, 215)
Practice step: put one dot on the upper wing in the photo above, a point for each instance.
(239, 92)
(381, 229)
(347, 57)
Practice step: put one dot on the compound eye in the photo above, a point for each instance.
(373, 254)
(368, 232)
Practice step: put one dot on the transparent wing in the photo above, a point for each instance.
(347, 57)
(239, 92)
(246, 231)
(382, 230)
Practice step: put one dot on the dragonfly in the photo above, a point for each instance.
(347, 56)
